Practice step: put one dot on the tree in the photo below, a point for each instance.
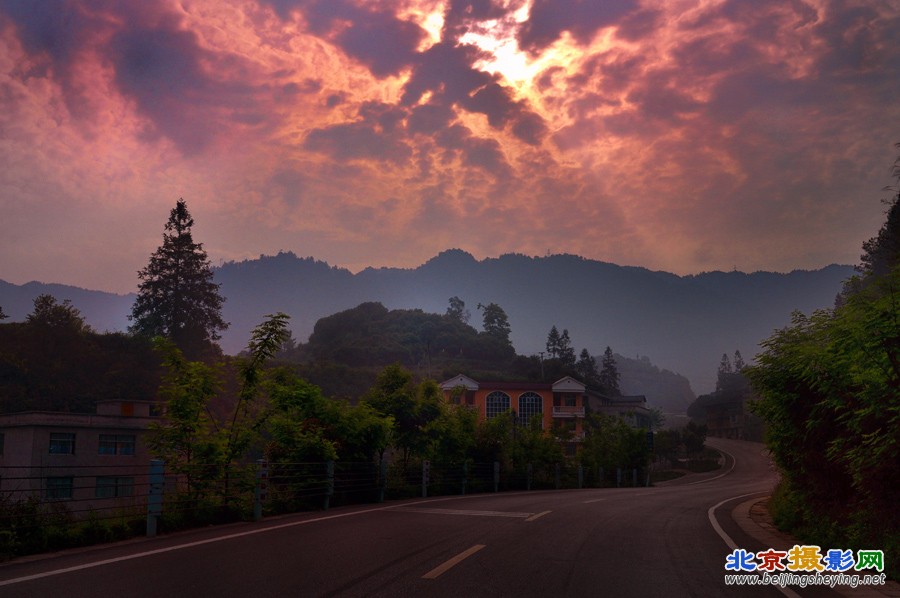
(738, 362)
(725, 365)
(177, 298)
(48, 313)
(694, 437)
(829, 386)
(457, 310)
(881, 253)
(566, 351)
(587, 368)
(3, 316)
(553, 343)
(495, 322)
(609, 374)
(186, 440)
(412, 408)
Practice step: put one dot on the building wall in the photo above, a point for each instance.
(28, 468)
(566, 416)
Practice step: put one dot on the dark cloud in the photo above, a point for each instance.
(639, 25)
(161, 69)
(428, 119)
(158, 63)
(56, 33)
(582, 18)
(335, 99)
(58, 28)
(493, 101)
(376, 136)
(485, 154)
(445, 69)
(530, 128)
(376, 38)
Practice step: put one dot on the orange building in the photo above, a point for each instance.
(560, 404)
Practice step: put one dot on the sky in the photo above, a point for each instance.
(677, 135)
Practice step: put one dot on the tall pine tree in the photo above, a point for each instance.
(177, 298)
(609, 374)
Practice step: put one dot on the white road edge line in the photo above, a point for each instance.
(446, 565)
(251, 532)
(593, 500)
(721, 475)
(731, 543)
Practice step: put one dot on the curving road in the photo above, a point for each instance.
(669, 540)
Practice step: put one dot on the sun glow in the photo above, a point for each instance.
(497, 39)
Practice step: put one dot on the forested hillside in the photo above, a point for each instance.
(681, 323)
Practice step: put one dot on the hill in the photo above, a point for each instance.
(682, 323)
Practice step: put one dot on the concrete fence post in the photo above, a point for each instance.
(383, 482)
(329, 483)
(426, 471)
(634, 478)
(465, 476)
(556, 476)
(618, 477)
(155, 495)
(261, 492)
(580, 476)
(496, 476)
(529, 476)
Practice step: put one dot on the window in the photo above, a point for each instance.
(62, 444)
(496, 403)
(116, 444)
(114, 486)
(59, 488)
(530, 404)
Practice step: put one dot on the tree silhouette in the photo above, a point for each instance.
(609, 374)
(495, 322)
(177, 298)
(553, 343)
(457, 310)
(566, 350)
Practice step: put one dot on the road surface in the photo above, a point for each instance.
(668, 540)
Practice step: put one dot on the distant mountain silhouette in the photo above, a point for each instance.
(682, 323)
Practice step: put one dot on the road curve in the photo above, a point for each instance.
(669, 540)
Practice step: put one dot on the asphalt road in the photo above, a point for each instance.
(660, 541)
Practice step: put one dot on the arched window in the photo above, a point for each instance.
(530, 404)
(496, 403)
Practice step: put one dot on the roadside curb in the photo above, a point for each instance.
(753, 517)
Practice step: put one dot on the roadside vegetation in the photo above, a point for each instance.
(830, 388)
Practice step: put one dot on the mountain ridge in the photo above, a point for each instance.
(682, 323)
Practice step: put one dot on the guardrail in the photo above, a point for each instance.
(53, 507)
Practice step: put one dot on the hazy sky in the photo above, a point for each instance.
(681, 135)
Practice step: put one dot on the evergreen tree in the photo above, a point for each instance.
(553, 343)
(587, 368)
(609, 374)
(3, 316)
(738, 362)
(725, 365)
(566, 351)
(881, 253)
(177, 297)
